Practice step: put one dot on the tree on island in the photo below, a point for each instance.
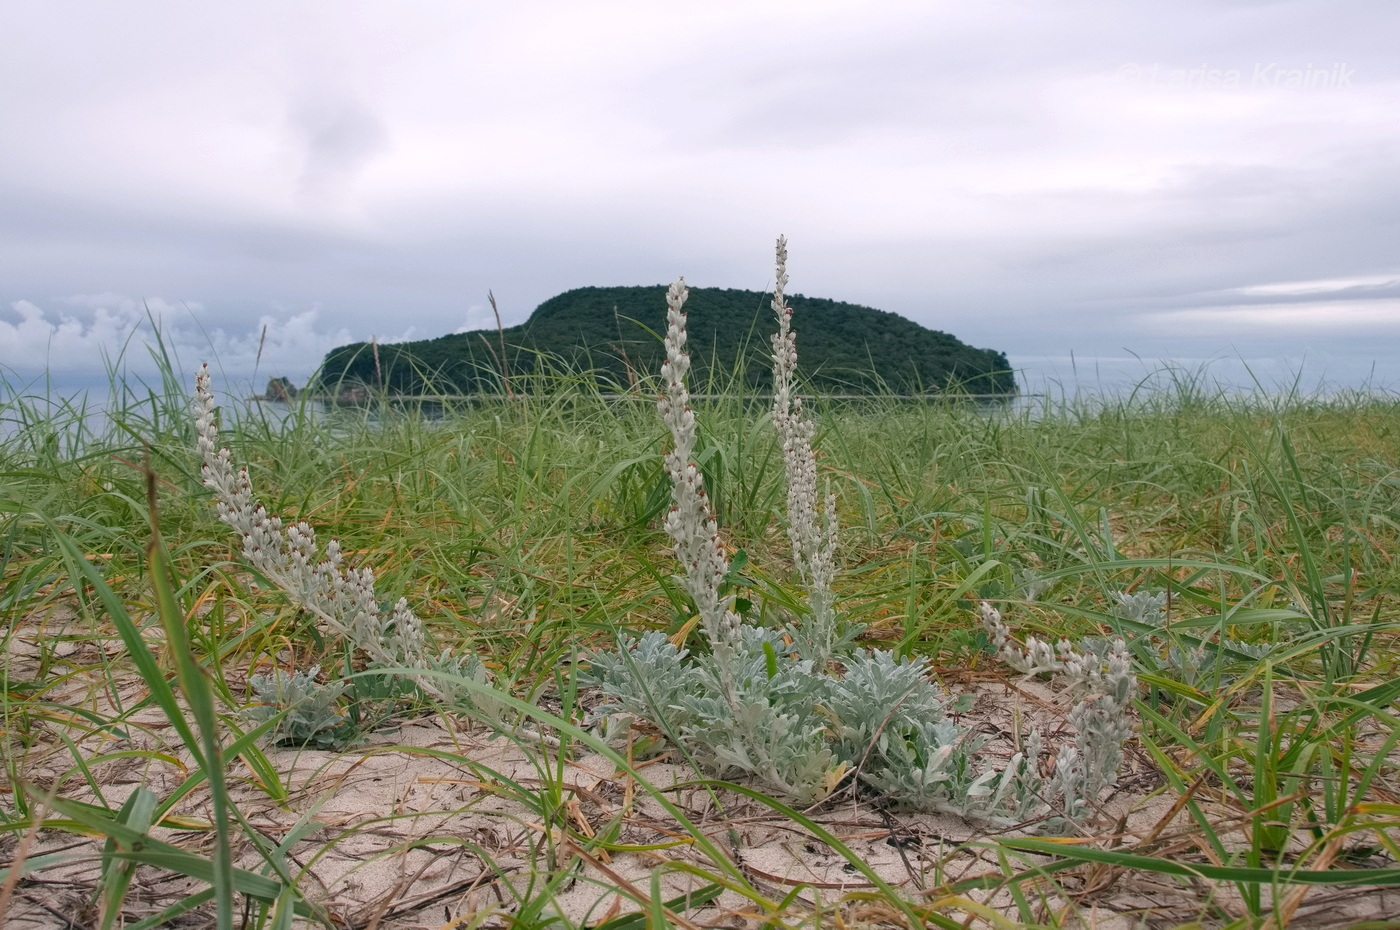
(614, 333)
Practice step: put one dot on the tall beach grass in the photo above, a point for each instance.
(526, 531)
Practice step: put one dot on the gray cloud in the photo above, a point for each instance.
(339, 138)
(1044, 180)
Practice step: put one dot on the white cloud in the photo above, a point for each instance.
(66, 342)
(156, 306)
(1327, 286)
(405, 336)
(1382, 315)
(117, 330)
(479, 316)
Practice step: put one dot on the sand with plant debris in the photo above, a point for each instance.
(425, 827)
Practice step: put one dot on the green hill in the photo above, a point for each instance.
(616, 333)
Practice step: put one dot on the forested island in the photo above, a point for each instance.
(615, 334)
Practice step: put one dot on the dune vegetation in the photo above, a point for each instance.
(1076, 662)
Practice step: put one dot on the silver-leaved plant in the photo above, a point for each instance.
(305, 711)
(341, 597)
(1194, 661)
(769, 705)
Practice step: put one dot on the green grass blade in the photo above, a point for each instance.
(1239, 874)
(199, 693)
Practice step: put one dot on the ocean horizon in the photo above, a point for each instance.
(1069, 375)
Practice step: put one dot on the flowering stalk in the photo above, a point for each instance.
(1101, 676)
(1035, 657)
(342, 597)
(691, 521)
(813, 539)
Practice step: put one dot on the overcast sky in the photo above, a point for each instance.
(1192, 180)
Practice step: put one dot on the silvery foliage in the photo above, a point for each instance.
(759, 717)
(648, 678)
(1143, 607)
(766, 704)
(1030, 584)
(482, 705)
(1099, 676)
(1194, 665)
(310, 710)
(770, 729)
(341, 597)
(890, 721)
